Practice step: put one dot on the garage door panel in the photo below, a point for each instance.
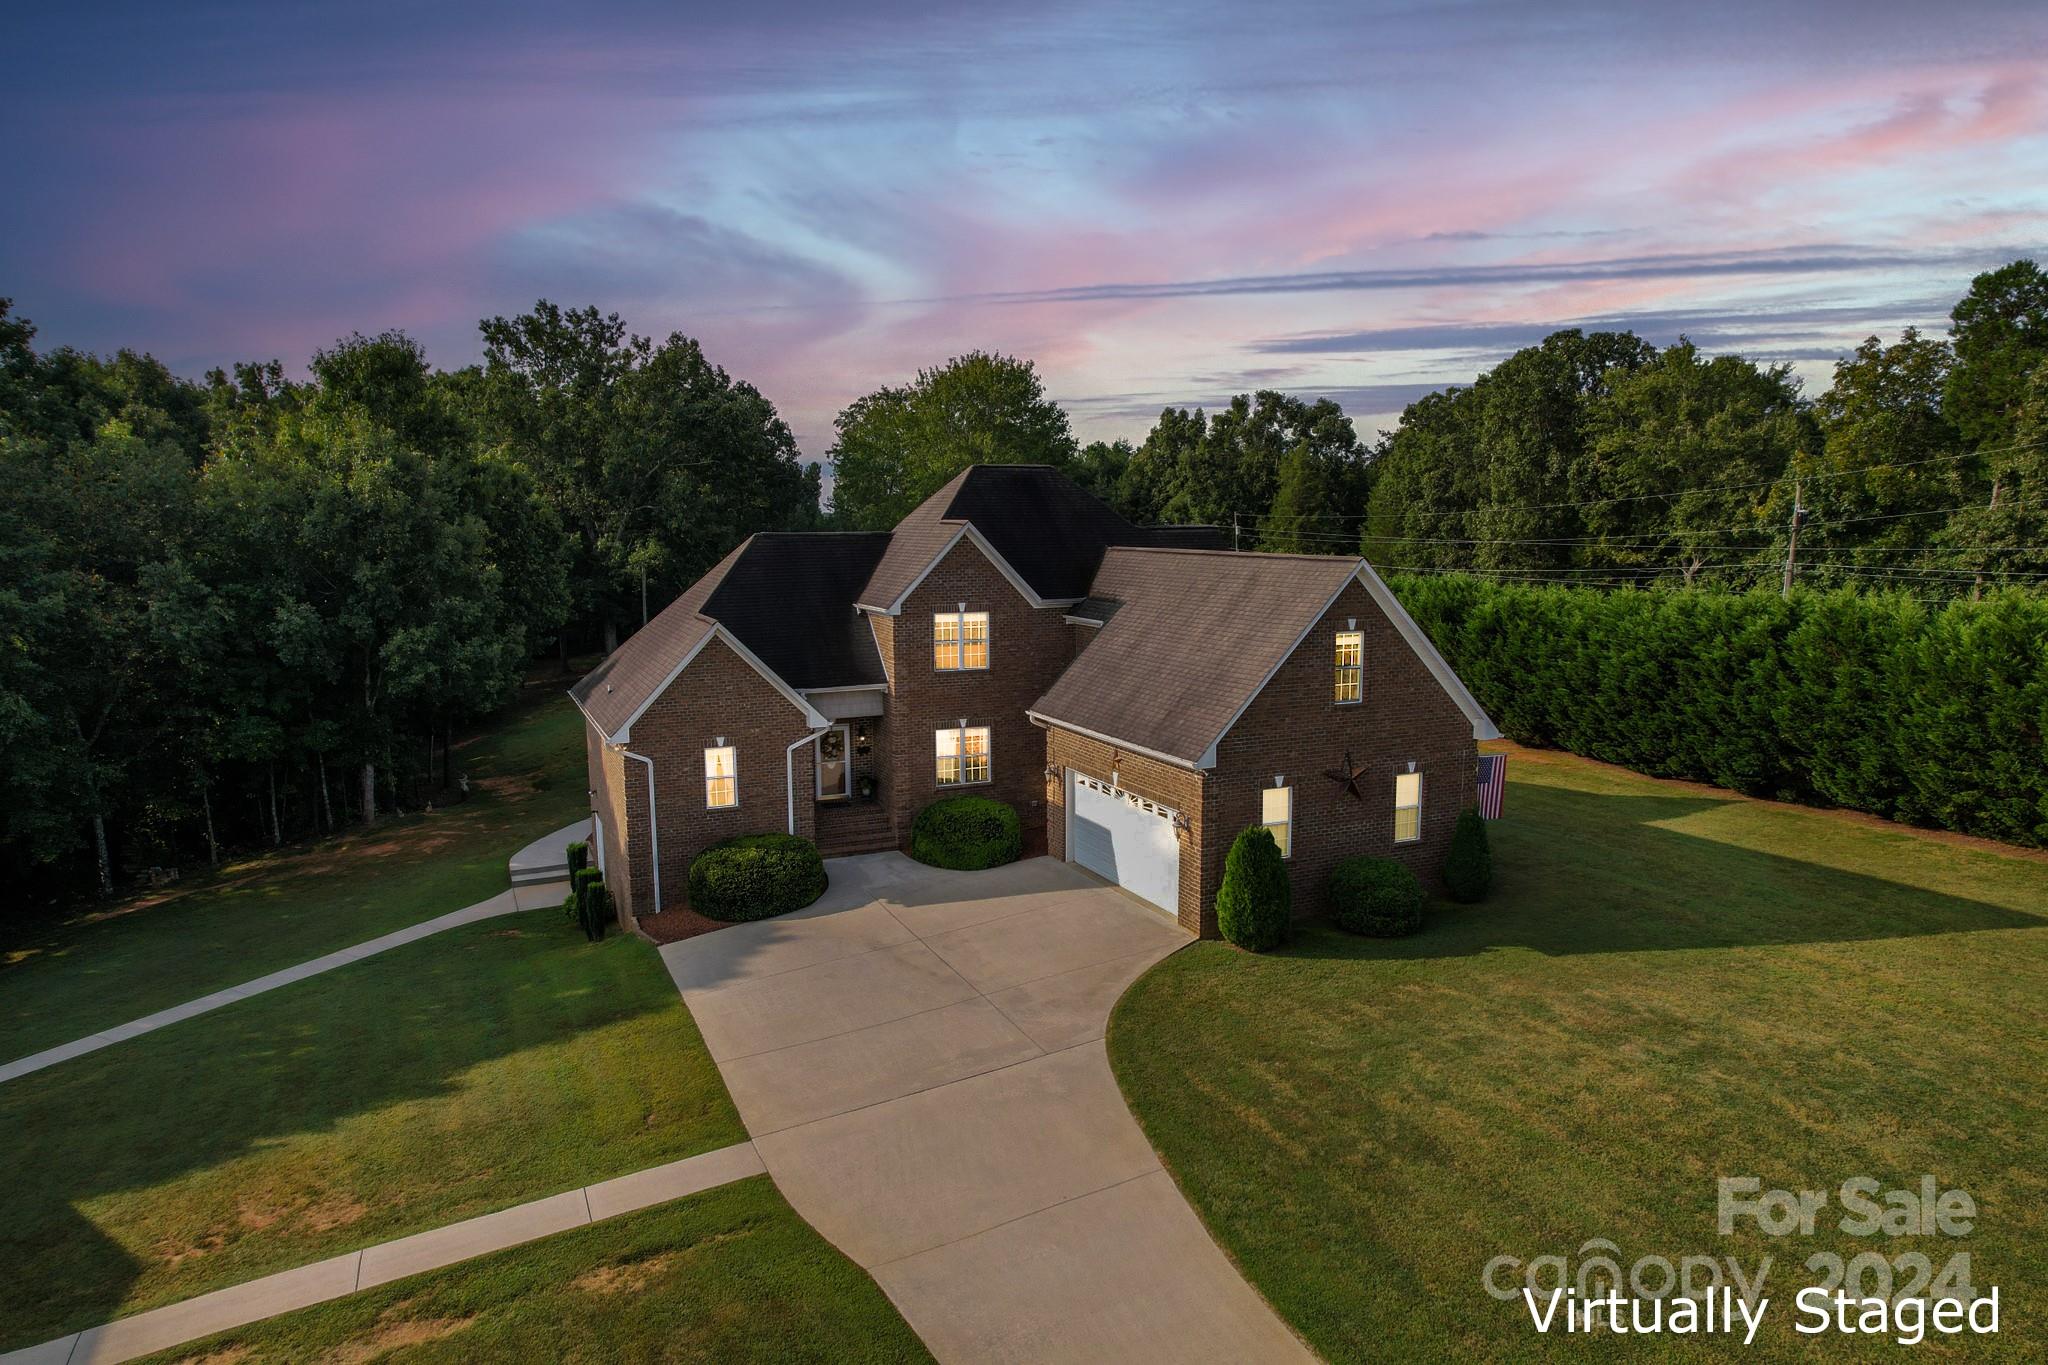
(1126, 839)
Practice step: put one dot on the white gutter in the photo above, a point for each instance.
(653, 823)
(789, 770)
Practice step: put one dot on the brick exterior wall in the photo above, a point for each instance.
(1028, 648)
(719, 694)
(1167, 783)
(1294, 728)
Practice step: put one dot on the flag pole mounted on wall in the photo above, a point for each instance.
(1493, 784)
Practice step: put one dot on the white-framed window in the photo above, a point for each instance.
(721, 777)
(1407, 807)
(959, 641)
(1276, 813)
(962, 754)
(1350, 667)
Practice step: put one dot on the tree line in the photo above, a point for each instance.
(253, 608)
(249, 609)
(1592, 457)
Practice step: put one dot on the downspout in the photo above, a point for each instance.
(653, 823)
(789, 770)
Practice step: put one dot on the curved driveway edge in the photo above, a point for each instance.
(919, 1059)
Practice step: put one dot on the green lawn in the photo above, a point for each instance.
(728, 1275)
(72, 978)
(475, 1069)
(1668, 985)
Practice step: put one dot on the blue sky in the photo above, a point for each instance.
(1165, 204)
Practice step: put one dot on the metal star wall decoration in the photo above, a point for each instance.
(1349, 777)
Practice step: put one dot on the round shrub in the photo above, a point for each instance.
(755, 876)
(1255, 903)
(1375, 896)
(966, 833)
(1468, 870)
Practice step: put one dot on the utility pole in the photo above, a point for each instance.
(1792, 547)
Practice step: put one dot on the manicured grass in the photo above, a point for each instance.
(96, 970)
(728, 1275)
(1668, 985)
(476, 1069)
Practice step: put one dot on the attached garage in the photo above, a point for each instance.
(1125, 838)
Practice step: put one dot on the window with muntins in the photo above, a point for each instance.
(1276, 812)
(1407, 807)
(1350, 666)
(963, 755)
(959, 641)
(721, 778)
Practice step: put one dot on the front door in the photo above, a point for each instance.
(835, 773)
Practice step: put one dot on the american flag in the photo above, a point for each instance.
(1493, 784)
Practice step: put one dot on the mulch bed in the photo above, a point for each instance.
(676, 924)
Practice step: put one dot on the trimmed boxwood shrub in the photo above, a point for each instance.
(580, 881)
(967, 833)
(1468, 871)
(1375, 896)
(755, 876)
(1255, 903)
(596, 911)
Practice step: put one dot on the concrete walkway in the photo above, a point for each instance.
(546, 859)
(920, 1059)
(504, 903)
(172, 1325)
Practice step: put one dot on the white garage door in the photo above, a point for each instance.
(1122, 836)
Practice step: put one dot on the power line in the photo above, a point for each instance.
(1686, 492)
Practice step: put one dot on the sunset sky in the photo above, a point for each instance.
(1160, 205)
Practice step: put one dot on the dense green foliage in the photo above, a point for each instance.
(1936, 716)
(1468, 867)
(897, 446)
(967, 833)
(251, 610)
(577, 856)
(1255, 904)
(755, 876)
(1375, 896)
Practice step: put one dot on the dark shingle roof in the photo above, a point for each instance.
(787, 597)
(1097, 609)
(790, 600)
(1194, 637)
(1044, 525)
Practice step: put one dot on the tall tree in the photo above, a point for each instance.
(2000, 332)
(897, 446)
(655, 459)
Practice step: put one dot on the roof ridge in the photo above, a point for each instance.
(1230, 554)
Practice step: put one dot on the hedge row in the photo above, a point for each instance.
(1873, 701)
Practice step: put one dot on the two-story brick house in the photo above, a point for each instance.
(1139, 694)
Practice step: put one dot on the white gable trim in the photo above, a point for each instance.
(967, 532)
(1419, 641)
(1404, 624)
(719, 632)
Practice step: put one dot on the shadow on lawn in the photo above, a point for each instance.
(161, 1107)
(1586, 872)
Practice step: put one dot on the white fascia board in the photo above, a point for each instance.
(589, 719)
(1419, 641)
(719, 632)
(1416, 639)
(849, 687)
(968, 532)
(1041, 718)
(1082, 621)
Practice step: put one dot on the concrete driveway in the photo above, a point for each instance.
(919, 1057)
